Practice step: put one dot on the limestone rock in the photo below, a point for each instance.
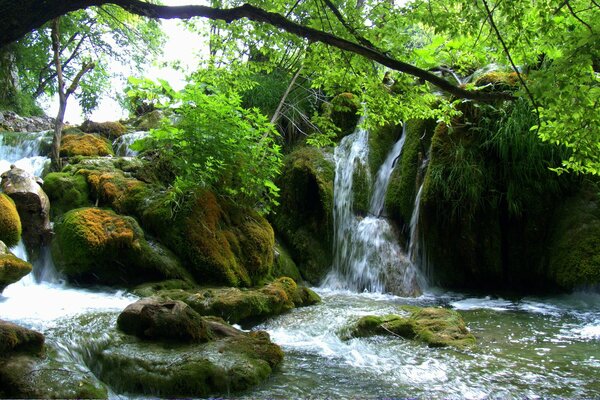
(110, 130)
(88, 145)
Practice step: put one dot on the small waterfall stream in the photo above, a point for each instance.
(367, 256)
(122, 144)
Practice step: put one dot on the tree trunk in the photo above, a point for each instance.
(57, 137)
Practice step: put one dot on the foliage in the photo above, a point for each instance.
(104, 35)
(216, 143)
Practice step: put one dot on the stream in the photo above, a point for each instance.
(528, 347)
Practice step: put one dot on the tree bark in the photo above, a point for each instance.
(16, 20)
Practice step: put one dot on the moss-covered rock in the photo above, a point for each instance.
(232, 362)
(497, 81)
(284, 265)
(407, 175)
(381, 140)
(344, 112)
(245, 306)
(304, 218)
(10, 222)
(12, 268)
(437, 327)
(66, 192)
(574, 259)
(361, 189)
(17, 339)
(110, 130)
(100, 247)
(85, 145)
(149, 120)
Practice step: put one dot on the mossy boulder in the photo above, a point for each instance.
(232, 362)
(110, 130)
(85, 145)
(304, 219)
(12, 268)
(245, 306)
(284, 265)
(149, 120)
(574, 256)
(497, 81)
(18, 339)
(10, 222)
(66, 192)
(437, 327)
(96, 246)
(343, 112)
(163, 320)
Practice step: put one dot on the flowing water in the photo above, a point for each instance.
(527, 347)
(122, 144)
(367, 256)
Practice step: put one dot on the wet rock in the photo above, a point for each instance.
(437, 327)
(11, 121)
(32, 204)
(245, 305)
(96, 246)
(17, 339)
(163, 319)
(12, 268)
(233, 361)
(10, 222)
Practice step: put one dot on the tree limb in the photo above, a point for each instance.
(56, 8)
(346, 25)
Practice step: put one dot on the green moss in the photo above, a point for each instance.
(405, 178)
(12, 269)
(10, 222)
(284, 265)
(380, 142)
(66, 192)
(98, 246)
(361, 189)
(110, 130)
(304, 219)
(344, 112)
(575, 250)
(85, 145)
(17, 339)
(437, 327)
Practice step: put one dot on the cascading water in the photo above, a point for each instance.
(24, 151)
(122, 144)
(367, 256)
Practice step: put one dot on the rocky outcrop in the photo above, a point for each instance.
(437, 327)
(32, 204)
(246, 306)
(12, 268)
(10, 222)
(304, 219)
(96, 246)
(10, 121)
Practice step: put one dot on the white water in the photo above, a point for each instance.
(367, 256)
(122, 144)
(25, 154)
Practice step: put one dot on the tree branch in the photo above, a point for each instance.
(86, 67)
(56, 8)
(577, 17)
(346, 25)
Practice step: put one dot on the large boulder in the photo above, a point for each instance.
(437, 327)
(304, 218)
(12, 268)
(32, 204)
(96, 246)
(66, 192)
(246, 306)
(159, 362)
(10, 222)
(88, 145)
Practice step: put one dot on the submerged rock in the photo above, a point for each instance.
(12, 268)
(32, 204)
(10, 222)
(245, 305)
(96, 246)
(228, 361)
(437, 327)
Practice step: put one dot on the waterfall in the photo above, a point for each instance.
(25, 151)
(122, 144)
(367, 256)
